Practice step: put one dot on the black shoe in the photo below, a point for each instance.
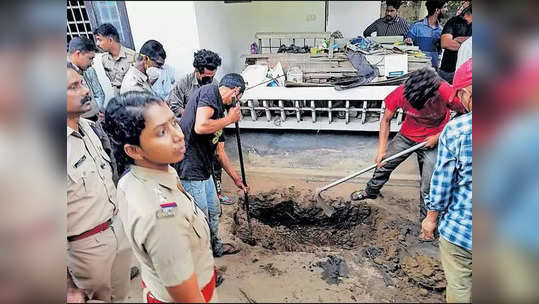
(134, 272)
(219, 280)
(361, 195)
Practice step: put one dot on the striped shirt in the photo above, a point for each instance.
(451, 183)
(396, 27)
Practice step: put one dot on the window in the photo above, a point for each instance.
(78, 22)
(84, 16)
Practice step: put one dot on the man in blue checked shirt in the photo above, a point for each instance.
(451, 195)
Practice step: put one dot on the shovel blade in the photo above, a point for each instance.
(321, 203)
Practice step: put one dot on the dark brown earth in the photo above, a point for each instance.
(376, 241)
(289, 220)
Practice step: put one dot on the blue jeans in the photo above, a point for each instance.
(206, 199)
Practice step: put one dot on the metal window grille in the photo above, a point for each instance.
(260, 111)
(78, 22)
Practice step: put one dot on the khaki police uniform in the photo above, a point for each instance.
(167, 231)
(135, 80)
(98, 262)
(116, 68)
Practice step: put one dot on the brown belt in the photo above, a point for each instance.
(95, 230)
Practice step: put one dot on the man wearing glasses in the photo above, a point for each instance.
(151, 55)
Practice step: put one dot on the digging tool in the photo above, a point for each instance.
(369, 168)
(265, 81)
(246, 197)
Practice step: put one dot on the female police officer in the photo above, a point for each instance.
(169, 234)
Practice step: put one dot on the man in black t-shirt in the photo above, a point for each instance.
(202, 124)
(455, 32)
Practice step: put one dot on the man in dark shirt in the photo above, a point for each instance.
(455, 32)
(202, 124)
(390, 25)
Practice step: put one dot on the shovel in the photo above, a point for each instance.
(246, 197)
(328, 210)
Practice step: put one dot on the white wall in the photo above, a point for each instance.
(229, 28)
(171, 23)
(352, 17)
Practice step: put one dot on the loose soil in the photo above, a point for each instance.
(364, 252)
(290, 220)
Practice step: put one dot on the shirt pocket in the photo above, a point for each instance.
(82, 178)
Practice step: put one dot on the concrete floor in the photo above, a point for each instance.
(315, 154)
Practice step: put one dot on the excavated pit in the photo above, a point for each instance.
(290, 220)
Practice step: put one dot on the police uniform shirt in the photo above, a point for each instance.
(91, 195)
(135, 80)
(115, 69)
(167, 231)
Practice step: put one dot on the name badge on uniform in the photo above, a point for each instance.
(167, 209)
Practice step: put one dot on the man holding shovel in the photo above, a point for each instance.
(426, 101)
(202, 124)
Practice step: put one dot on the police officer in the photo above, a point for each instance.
(98, 254)
(167, 231)
(117, 58)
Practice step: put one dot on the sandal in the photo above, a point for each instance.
(225, 200)
(219, 280)
(361, 195)
(424, 240)
(231, 250)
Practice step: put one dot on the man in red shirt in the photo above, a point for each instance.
(426, 101)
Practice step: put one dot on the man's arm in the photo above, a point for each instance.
(441, 187)
(225, 163)
(176, 99)
(447, 40)
(205, 125)
(383, 135)
(187, 291)
(410, 36)
(370, 29)
(449, 43)
(73, 293)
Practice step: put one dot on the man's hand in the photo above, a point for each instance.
(408, 40)
(461, 39)
(75, 295)
(229, 94)
(240, 185)
(379, 157)
(234, 114)
(432, 141)
(100, 116)
(427, 228)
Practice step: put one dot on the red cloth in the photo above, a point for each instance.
(463, 76)
(207, 291)
(431, 119)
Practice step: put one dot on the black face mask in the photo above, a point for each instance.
(205, 80)
(85, 99)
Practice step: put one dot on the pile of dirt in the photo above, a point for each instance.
(290, 220)
(425, 271)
